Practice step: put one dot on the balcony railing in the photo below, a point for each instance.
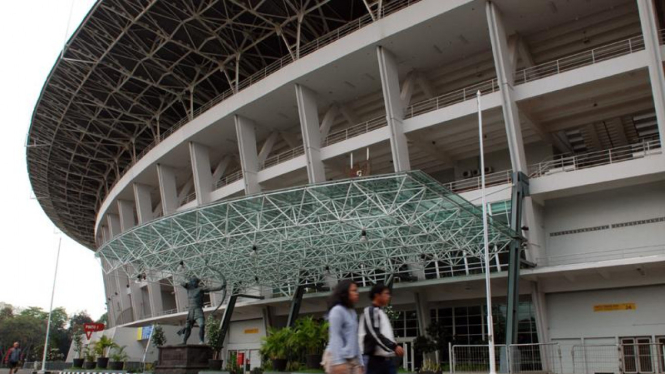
(353, 131)
(599, 158)
(281, 157)
(581, 59)
(228, 180)
(452, 98)
(564, 164)
(475, 183)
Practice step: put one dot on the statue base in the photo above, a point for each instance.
(183, 359)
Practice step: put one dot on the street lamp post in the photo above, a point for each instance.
(488, 285)
(50, 311)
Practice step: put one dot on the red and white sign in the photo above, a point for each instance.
(89, 328)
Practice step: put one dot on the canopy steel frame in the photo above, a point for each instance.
(363, 228)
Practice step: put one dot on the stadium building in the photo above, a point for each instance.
(289, 144)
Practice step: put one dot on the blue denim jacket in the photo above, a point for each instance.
(343, 335)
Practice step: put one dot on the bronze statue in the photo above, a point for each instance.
(195, 293)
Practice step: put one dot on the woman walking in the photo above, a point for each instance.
(342, 356)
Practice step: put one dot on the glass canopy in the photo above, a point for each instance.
(367, 227)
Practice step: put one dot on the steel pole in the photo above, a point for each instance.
(50, 311)
(488, 285)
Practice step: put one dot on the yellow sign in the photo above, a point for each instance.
(614, 307)
(251, 331)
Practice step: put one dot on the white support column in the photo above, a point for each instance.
(394, 110)
(267, 146)
(311, 134)
(505, 75)
(249, 160)
(220, 169)
(655, 59)
(105, 234)
(143, 203)
(328, 120)
(540, 310)
(113, 221)
(126, 209)
(422, 312)
(199, 155)
(167, 189)
(155, 296)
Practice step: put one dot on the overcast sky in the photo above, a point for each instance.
(32, 34)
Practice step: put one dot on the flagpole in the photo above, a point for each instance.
(50, 311)
(488, 285)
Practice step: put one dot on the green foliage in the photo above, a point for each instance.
(118, 354)
(102, 345)
(29, 328)
(104, 318)
(310, 336)
(214, 334)
(89, 354)
(232, 364)
(276, 345)
(158, 338)
(77, 339)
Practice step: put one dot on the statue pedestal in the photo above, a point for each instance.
(183, 359)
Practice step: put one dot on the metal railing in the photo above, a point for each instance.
(598, 158)
(619, 358)
(579, 60)
(514, 358)
(126, 316)
(281, 157)
(474, 183)
(353, 131)
(565, 163)
(236, 176)
(452, 98)
(191, 197)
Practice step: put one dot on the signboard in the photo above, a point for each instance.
(89, 328)
(143, 333)
(614, 307)
(252, 331)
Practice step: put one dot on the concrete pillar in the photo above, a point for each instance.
(201, 172)
(651, 36)
(311, 135)
(538, 300)
(506, 79)
(143, 203)
(126, 209)
(249, 160)
(155, 296)
(113, 222)
(180, 298)
(422, 312)
(105, 234)
(394, 109)
(168, 190)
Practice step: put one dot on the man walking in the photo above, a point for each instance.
(13, 358)
(376, 334)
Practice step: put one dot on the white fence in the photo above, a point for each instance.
(619, 358)
(514, 358)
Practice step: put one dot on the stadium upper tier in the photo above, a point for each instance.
(136, 70)
(149, 97)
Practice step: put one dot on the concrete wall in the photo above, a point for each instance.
(573, 322)
(602, 209)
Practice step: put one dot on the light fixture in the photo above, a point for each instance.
(363, 236)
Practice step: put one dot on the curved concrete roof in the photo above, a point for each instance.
(136, 70)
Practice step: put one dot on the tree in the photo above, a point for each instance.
(103, 319)
(29, 328)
